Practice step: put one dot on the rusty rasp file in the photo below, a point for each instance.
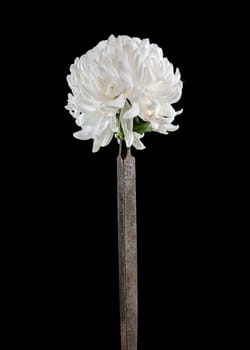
(127, 245)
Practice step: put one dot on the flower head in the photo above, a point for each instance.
(123, 87)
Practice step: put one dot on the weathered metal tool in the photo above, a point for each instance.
(127, 242)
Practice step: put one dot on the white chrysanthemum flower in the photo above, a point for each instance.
(123, 87)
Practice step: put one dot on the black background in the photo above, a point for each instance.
(65, 271)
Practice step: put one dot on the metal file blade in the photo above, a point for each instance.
(127, 244)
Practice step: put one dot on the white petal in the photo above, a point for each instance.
(106, 137)
(113, 124)
(132, 112)
(178, 112)
(167, 110)
(137, 143)
(91, 123)
(81, 135)
(96, 146)
(163, 125)
(127, 127)
(118, 102)
(127, 124)
(171, 127)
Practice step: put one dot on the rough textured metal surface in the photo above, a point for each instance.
(127, 241)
